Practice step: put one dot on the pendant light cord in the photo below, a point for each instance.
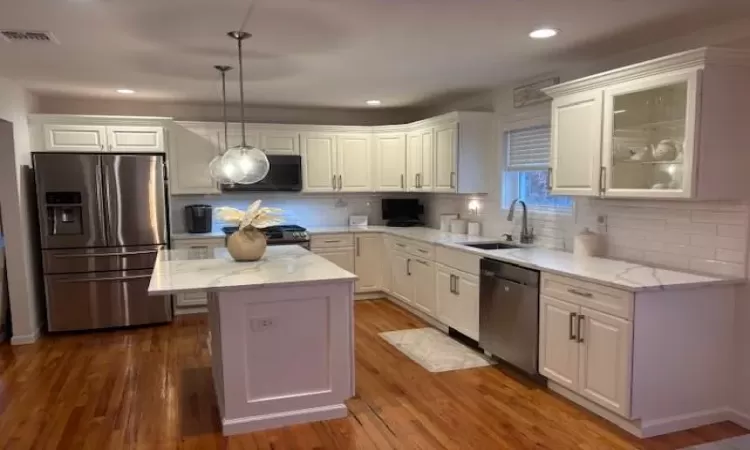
(242, 91)
(224, 107)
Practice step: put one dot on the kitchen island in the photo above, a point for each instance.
(281, 332)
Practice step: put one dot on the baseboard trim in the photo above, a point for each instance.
(368, 296)
(186, 311)
(265, 422)
(682, 422)
(25, 339)
(657, 427)
(430, 320)
(740, 418)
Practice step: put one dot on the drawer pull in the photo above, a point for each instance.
(331, 241)
(401, 245)
(580, 293)
(422, 251)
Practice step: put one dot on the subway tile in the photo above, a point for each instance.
(733, 231)
(666, 260)
(627, 253)
(649, 224)
(691, 227)
(717, 242)
(688, 250)
(722, 218)
(732, 256)
(717, 267)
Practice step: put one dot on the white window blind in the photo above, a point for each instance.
(528, 149)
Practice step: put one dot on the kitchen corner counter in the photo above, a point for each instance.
(182, 270)
(211, 235)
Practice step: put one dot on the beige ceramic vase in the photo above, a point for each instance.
(247, 245)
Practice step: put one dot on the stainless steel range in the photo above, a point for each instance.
(281, 235)
(102, 219)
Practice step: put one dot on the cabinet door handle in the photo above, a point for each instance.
(101, 147)
(419, 180)
(455, 285)
(571, 334)
(408, 267)
(358, 246)
(549, 179)
(341, 184)
(453, 180)
(333, 182)
(402, 181)
(451, 285)
(424, 263)
(581, 318)
(580, 293)
(401, 245)
(603, 180)
(416, 180)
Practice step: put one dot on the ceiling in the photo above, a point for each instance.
(326, 53)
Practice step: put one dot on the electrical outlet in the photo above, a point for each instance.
(261, 323)
(601, 222)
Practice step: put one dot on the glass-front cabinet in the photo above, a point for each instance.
(648, 137)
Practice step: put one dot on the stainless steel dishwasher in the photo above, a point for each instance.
(509, 314)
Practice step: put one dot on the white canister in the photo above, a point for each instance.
(445, 221)
(475, 229)
(588, 243)
(458, 226)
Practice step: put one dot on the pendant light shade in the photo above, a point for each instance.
(250, 164)
(243, 164)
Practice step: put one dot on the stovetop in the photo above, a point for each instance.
(279, 234)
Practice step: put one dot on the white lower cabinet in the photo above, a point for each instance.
(582, 349)
(605, 360)
(401, 279)
(197, 247)
(342, 257)
(458, 300)
(423, 281)
(368, 249)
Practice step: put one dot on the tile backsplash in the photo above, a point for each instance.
(709, 237)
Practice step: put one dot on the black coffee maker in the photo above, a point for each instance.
(198, 218)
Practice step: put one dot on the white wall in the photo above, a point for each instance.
(49, 104)
(19, 217)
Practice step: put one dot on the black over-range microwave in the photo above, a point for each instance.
(284, 174)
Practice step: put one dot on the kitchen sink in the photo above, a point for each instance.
(493, 245)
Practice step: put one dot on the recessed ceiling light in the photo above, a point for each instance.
(373, 102)
(125, 91)
(543, 33)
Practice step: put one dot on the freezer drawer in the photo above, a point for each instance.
(99, 259)
(103, 300)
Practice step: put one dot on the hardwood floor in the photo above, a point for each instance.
(150, 388)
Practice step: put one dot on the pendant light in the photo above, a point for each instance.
(220, 171)
(249, 164)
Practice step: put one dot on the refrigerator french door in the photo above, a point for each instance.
(103, 218)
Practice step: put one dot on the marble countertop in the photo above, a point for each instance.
(618, 274)
(186, 270)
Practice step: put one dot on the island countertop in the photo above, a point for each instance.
(185, 270)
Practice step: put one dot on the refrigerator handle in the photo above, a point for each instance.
(103, 213)
(109, 211)
(165, 167)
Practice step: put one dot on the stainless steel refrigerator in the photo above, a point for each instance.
(102, 220)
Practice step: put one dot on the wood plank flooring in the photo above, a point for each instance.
(150, 388)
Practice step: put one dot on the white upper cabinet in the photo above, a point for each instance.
(74, 138)
(234, 136)
(666, 128)
(390, 149)
(279, 142)
(575, 153)
(354, 162)
(446, 151)
(319, 162)
(649, 136)
(420, 160)
(191, 149)
(129, 139)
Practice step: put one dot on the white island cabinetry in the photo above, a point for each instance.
(292, 311)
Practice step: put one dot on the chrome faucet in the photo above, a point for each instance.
(527, 236)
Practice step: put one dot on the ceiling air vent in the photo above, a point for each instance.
(28, 36)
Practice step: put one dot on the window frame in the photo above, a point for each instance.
(506, 176)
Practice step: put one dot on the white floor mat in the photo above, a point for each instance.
(736, 443)
(435, 351)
